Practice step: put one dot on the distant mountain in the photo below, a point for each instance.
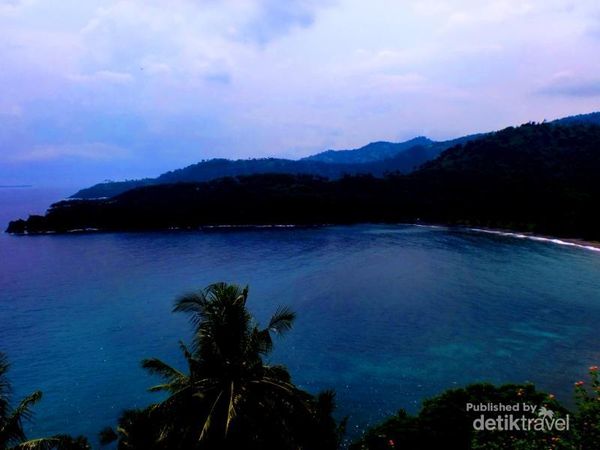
(375, 151)
(218, 168)
(580, 119)
(377, 158)
(538, 178)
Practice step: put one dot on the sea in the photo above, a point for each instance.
(387, 315)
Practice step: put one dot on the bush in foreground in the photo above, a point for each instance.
(444, 422)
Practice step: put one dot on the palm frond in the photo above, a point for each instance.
(24, 407)
(157, 367)
(260, 341)
(58, 442)
(186, 352)
(4, 366)
(176, 396)
(230, 409)
(107, 436)
(161, 387)
(12, 428)
(278, 372)
(282, 320)
(326, 402)
(209, 417)
(193, 302)
(287, 388)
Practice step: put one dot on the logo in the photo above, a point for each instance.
(517, 417)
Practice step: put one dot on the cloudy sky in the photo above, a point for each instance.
(93, 90)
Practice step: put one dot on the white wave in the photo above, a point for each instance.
(249, 226)
(438, 227)
(536, 238)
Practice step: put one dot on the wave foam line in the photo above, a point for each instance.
(537, 238)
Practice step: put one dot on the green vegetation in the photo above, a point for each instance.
(376, 159)
(229, 398)
(12, 436)
(444, 422)
(588, 410)
(537, 178)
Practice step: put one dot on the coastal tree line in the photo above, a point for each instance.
(539, 178)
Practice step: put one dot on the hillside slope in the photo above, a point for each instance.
(538, 178)
(405, 161)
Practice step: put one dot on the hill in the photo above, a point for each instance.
(580, 119)
(375, 151)
(377, 158)
(538, 178)
(405, 160)
(378, 151)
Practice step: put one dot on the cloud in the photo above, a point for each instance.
(593, 29)
(239, 78)
(8, 7)
(571, 85)
(218, 77)
(103, 76)
(274, 18)
(155, 67)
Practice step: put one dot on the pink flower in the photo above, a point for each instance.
(391, 443)
(594, 369)
(579, 383)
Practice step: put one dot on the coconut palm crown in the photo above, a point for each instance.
(230, 397)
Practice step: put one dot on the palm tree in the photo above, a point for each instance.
(12, 436)
(229, 397)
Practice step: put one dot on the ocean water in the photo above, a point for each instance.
(387, 315)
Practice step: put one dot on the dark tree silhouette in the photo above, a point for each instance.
(536, 178)
(229, 397)
(12, 436)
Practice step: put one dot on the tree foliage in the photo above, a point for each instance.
(537, 177)
(228, 396)
(12, 436)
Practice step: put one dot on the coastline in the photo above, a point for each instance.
(569, 242)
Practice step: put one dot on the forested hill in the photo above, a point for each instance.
(378, 151)
(540, 178)
(377, 158)
(587, 119)
(375, 151)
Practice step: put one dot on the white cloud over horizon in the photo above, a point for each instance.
(174, 82)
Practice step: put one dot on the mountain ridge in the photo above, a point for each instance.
(538, 178)
(373, 151)
(400, 157)
(377, 158)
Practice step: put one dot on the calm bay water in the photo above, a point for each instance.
(387, 315)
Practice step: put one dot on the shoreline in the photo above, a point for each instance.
(569, 242)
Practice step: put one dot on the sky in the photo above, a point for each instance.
(92, 90)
